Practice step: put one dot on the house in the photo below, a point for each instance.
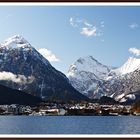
(13, 109)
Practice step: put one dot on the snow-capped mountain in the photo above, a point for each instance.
(130, 66)
(86, 73)
(22, 67)
(14, 42)
(96, 80)
(125, 82)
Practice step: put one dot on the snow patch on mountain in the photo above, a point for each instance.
(88, 64)
(130, 66)
(20, 44)
(14, 42)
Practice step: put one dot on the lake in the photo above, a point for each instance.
(70, 125)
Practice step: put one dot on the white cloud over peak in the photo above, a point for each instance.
(88, 24)
(133, 25)
(89, 31)
(134, 51)
(86, 28)
(48, 54)
(72, 22)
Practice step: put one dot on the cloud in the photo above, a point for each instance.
(71, 21)
(134, 51)
(74, 22)
(89, 31)
(133, 25)
(88, 24)
(102, 40)
(102, 24)
(21, 79)
(86, 28)
(48, 54)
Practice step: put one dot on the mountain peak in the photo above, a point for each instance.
(90, 57)
(132, 59)
(23, 68)
(18, 36)
(22, 46)
(85, 59)
(129, 66)
(85, 74)
(88, 64)
(15, 42)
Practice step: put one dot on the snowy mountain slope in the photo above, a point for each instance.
(130, 66)
(14, 42)
(85, 74)
(88, 64)
(121, 83)
(18, 43)
(22, 67)
(123, 87)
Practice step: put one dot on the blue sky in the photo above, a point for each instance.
(109, 33)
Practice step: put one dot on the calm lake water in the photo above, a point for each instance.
(69, 124)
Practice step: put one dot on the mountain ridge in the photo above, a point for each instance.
(23, 61)
(118, 83)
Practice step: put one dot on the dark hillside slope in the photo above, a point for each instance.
(13, 96)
